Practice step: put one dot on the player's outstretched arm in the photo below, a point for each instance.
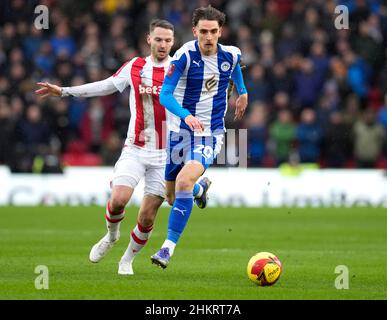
(93, 89)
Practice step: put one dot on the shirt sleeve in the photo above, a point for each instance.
(175, 71)
(93, 89)
(237, 77)
(121, 79)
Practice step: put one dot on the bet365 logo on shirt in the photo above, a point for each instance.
(155, 90)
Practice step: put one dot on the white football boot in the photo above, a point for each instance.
(125, 268)
(101, 248)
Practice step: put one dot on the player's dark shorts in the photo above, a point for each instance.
(183, 147)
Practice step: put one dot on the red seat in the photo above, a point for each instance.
(85, 159)
(78, 155)
(381, 163)
(350, 164)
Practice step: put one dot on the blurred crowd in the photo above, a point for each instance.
(316, 94)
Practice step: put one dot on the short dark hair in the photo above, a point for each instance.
(208, 13)
(161, 24)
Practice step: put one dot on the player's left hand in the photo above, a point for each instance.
(48, 90)
(241, 105)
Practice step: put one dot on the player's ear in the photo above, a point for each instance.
(148, 39)
(220, 31)
(195, 32)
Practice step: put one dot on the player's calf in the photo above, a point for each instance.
(113, 218)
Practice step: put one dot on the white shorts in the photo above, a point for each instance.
(136, 163)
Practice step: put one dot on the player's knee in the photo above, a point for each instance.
(147, 216)
(118, 203)
(184, 183)
(146, 221)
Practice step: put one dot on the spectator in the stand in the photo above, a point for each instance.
(17, 107)
(32, 131)
(281, 101)
(33, 41)
(368, 44)
(382, 119)
(62, 43)
(383, 73)
(320, 60)
(6, 132)
(382, 114)
(280, 79)
(44, 61)
(91, 51)
(337, 141)
(309, 137)
(271, 20)
(58, 119)
(307, 85)
(359, 13)
(257, 134)
(64, 70)
(289, 43)
(351, 110)
(383, 21)
(282, 135)
(32, 138)
(369, 136)
(338, 75)
(8, 38)
(358, 75)
(4, 86)
(17, 76)
(327, 103)
(111, 149)
(96, 124)
(257, 85)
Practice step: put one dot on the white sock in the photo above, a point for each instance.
(113, 222)
(170, 245)
(138, 239)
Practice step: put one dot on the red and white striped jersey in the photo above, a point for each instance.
(147, 126)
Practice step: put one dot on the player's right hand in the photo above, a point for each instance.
(48, 89)
(194, 123)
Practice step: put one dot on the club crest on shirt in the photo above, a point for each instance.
(225, 66)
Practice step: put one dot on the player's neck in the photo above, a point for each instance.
(208, 53)
(158, 61)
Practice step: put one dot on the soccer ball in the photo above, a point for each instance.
(264, 269)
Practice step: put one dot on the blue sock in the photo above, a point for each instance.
(179, 215)
(196, 189)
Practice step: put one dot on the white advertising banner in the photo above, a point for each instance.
(233, 187)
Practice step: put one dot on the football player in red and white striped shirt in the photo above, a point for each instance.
(143, 155)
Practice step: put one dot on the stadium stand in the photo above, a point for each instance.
(316, 94)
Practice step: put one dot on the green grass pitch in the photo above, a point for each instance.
(210, 260)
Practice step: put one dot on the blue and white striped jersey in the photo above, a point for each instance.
(201, 84)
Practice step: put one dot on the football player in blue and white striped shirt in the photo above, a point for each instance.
(195, 94)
